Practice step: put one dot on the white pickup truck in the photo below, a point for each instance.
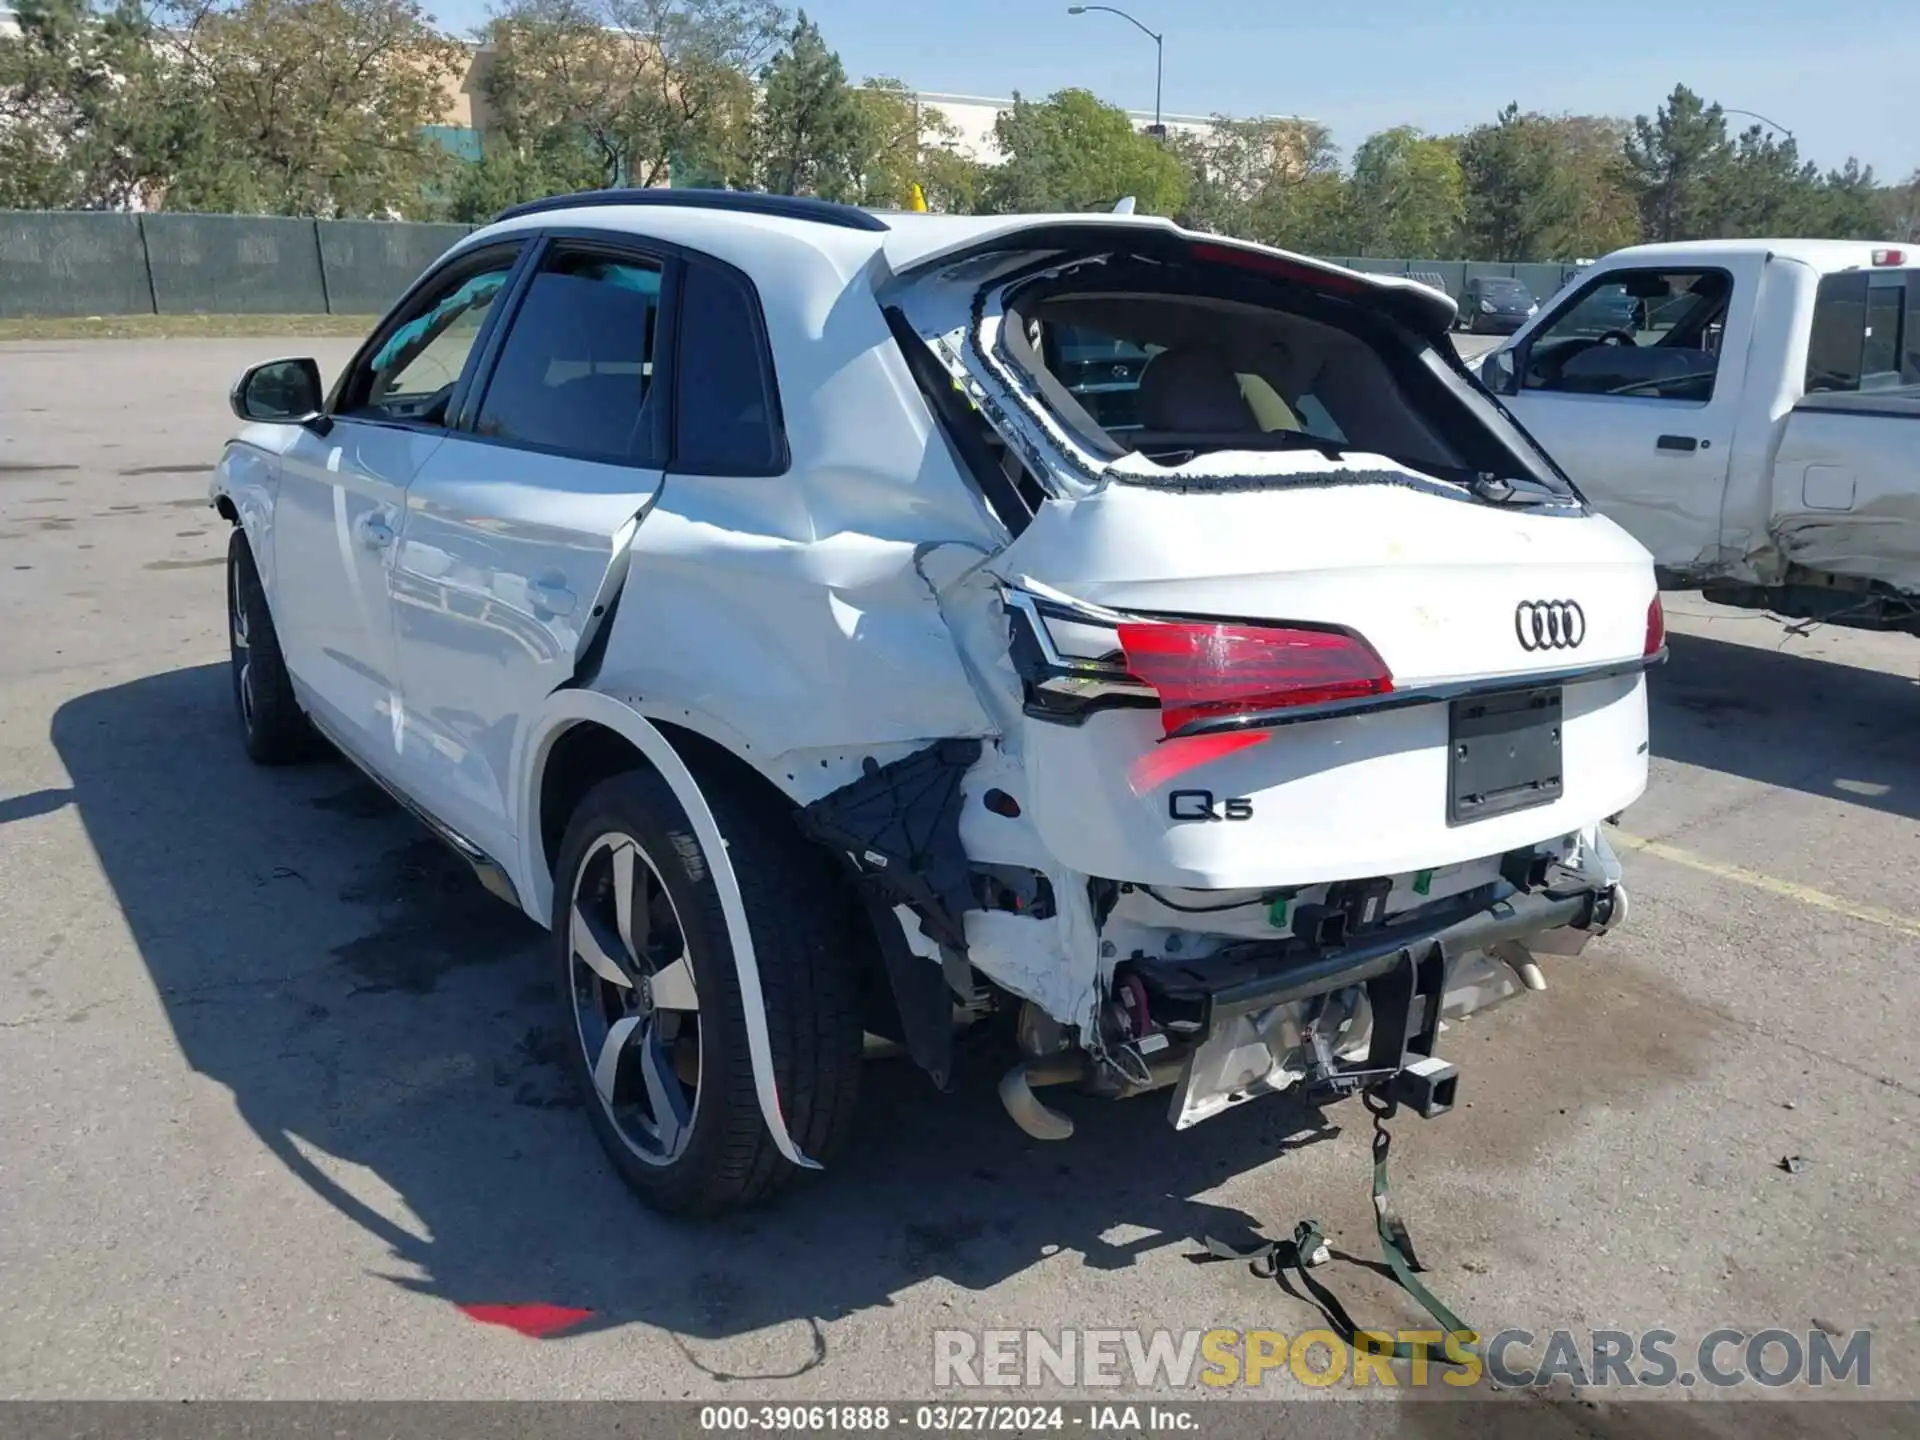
(1749, 410)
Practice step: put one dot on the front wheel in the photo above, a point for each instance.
(650, 992)
(272, 725)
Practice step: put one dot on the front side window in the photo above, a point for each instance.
(412, 375)
(575, 373)
(1645, 334)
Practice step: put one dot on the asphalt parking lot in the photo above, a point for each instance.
(281, 1093)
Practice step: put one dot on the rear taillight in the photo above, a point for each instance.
(1205, 671)
(1656, 628)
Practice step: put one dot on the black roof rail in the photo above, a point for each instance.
(749, 202)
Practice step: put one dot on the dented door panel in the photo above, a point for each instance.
(508, 562)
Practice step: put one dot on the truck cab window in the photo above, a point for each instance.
(1645, 334)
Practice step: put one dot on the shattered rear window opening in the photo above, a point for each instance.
(1173, 371)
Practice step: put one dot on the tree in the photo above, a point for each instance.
(812, 126)
(1237, 167)
(1405, 197)
(1900, 210)
(900, 143)
(1074, 152)
(1848, 205)
(88, 119)
(1518, 205)
(312, 107)
(628, 92)
(1599, 207)
(1680, 161)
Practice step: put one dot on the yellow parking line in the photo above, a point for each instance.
(1786, 889)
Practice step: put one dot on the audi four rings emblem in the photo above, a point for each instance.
(1549, 624)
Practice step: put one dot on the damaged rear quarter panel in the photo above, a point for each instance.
(786, 614)
(1847, 488)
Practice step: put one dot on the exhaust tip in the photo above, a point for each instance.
(1016, 1094)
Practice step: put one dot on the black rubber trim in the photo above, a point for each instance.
(1424, 695)
(787, 207)
(959, 424)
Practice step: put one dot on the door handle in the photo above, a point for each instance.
(1686, 444)
(375, 532)
(552, 597)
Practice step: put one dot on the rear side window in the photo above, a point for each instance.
(575, 374)
(1837, 346)
(1866, 332)
(726, 411)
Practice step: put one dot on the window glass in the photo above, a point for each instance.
(1910, 332)
(576, 368)
(1880, 352)
(412, 375)
(1837, 344)
(727, 419)
(1646, 334)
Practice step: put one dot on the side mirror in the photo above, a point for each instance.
(279, 392)
(1497, 372)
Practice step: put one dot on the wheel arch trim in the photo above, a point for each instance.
(567, 708)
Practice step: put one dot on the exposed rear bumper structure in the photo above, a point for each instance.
(1331, 1011)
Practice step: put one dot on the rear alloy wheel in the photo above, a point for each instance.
(650, 989)
(272, 725)
(636, 1008)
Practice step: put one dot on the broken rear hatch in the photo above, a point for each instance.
(1290, 599)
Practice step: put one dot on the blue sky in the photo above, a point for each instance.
(1840, 76)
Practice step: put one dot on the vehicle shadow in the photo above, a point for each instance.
(389, 1032)
(1792, 721)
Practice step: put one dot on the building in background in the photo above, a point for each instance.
(973, 117)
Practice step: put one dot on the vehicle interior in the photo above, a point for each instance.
(1172, 376)
(1645, 334)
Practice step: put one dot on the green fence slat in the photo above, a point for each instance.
(368, 263)
(71, 263)
(234, 265)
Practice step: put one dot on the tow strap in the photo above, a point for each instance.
(1307, 1250)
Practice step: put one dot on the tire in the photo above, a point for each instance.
(713, 1153)
(272, 725)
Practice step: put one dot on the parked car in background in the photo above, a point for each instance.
(1749, 410)
(1494, 305)
(824, 623)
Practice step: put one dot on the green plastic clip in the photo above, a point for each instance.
(1423, 882)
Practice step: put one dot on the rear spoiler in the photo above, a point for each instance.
(1428, 312)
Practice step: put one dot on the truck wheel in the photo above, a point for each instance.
(651, 997)
(272, 724)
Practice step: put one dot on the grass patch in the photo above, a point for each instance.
(182, 327)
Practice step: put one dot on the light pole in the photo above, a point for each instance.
(1755, 115)
(1159, 56)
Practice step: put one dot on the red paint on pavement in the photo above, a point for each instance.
(536, 1322)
